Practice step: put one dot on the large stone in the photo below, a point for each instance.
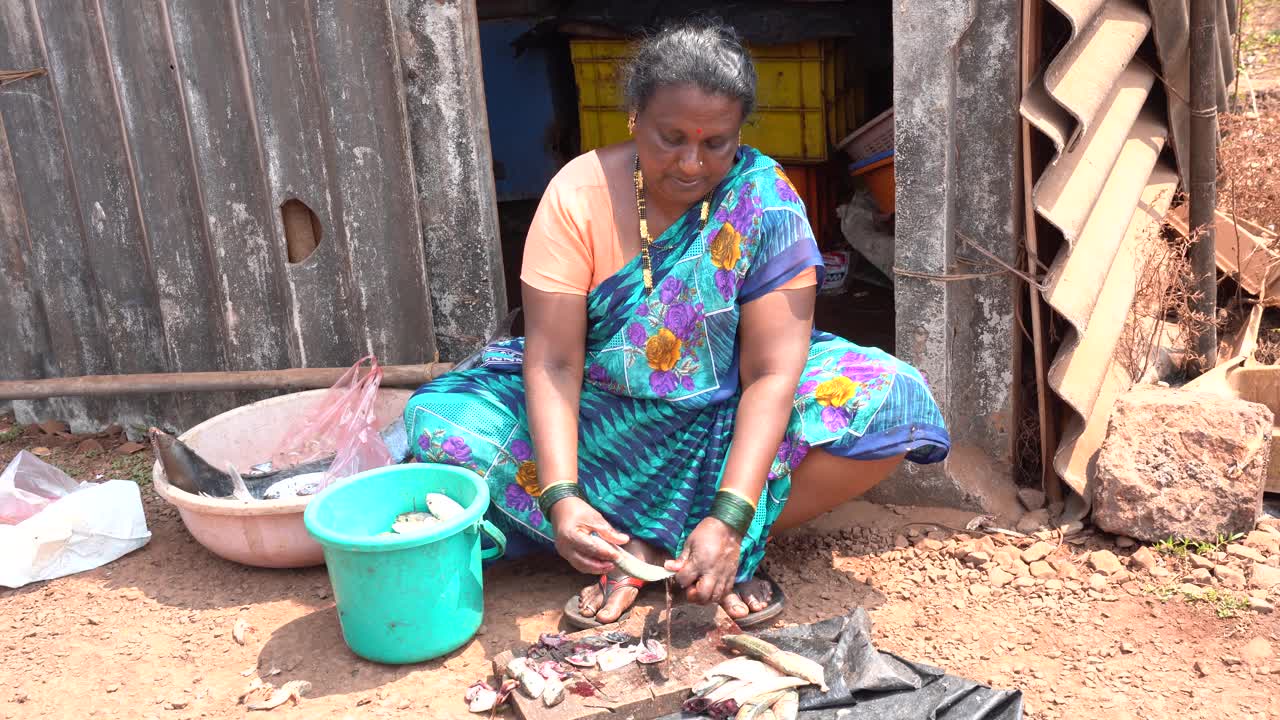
(1264, 577)
(1032, 521)
(1039, 551)
(1229, 577)
(1031, 498)
(1143, 558)
(1105, 562)
(1182, 464)
(1245, 552)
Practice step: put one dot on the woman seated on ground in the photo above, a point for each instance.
(671, 396)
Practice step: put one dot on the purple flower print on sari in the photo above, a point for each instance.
(598, 374)
(424, 442)
(662, 383)
(786, 191)
(726, 283)
(517, 499)
(642, 310)
(860, 368)
(682, 321)
(743, 214)
(835, 418)
(521, 450)
(535, 518)
(807, 388)
(799, 449)
(687, 383)
(637, 335)
(671, 289)
(456, 448)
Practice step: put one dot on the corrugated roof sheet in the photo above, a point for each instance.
(1106, 189)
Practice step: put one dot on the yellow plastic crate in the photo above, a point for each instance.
(801, 97)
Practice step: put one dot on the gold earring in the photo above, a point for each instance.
(631, 124)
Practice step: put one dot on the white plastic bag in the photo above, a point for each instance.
(27, 485)
(81, 527)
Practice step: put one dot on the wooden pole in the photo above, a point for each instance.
(146, 384)
(1204, 171)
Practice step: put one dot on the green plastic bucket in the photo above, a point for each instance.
(404, 598)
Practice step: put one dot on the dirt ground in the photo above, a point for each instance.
(150, 635)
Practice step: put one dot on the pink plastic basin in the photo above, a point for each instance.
(264, 533)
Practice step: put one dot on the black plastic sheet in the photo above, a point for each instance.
(867, 684)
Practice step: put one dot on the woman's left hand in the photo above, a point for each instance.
(708, 564)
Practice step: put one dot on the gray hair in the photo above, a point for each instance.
(707, 54)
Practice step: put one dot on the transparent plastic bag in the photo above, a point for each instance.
(28, 485)
(342, 425)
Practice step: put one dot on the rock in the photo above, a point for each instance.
(1005, 557)
(1182, 464)
(1143, 558)
(1160, 572)
(901, 542)
(929, 545)
(1246, 553)
(1262, 540)
(1097, 582)
(1264, 577)
(1200, 562)
(977, 558)
(1202, 576)
(1053, 584)
(1260, 606)
(1042, 570)
(1066, 569)
(979, 591)
(1128, 648)
(1229, 577)
(1202, 668)
(1031, 498)
(1019, 569)
(1039, 551)
(1105, 562)
(1033, 521)
(1190, 590)
(1256, 651)
(177, 704)
(999, 577)
(1125, 542)
(1231, 660)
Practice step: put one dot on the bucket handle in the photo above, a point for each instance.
(498, 538)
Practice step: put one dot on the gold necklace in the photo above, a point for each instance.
(645, 240)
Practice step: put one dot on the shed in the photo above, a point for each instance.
(266, 184)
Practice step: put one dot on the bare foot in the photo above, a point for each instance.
(624, 596)
(747, 597)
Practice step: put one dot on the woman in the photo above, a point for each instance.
(671, 396)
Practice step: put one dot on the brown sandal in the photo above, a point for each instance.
(608, 586)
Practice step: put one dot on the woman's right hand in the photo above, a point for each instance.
(575, 521)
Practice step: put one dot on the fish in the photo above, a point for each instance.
(652, 653)
(553, 693)
(481, 697)
(254, 686)
(291, 691)
(531, 683)
(744, 668)
(551, 669)
(788, 662)
(617, 637)
(553, 640)
(754, 691)
(709, 685)
(443, 507)
(617, 657)
(583, 659)
(788, 706)
(296, 486)
(726, 691)
(239, 630)
(639, 569)
(413, 522)
(186, 470)
(760, 706)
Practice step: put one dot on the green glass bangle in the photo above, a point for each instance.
(555, 494)
(733, 511)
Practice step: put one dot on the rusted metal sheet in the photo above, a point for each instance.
(1106, 191)
(141, 185)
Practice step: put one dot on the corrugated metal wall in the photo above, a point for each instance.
(1118, 144)
(141, 185)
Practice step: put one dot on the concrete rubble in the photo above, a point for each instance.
(1183, 465)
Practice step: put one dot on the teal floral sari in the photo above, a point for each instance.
(661, 386)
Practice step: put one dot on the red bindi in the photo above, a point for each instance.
(699, 131)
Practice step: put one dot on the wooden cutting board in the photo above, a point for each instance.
(638, 692)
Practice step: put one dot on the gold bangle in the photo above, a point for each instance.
(750, 501)
(555, 483)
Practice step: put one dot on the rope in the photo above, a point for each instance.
(8, 76)
(992, 257)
